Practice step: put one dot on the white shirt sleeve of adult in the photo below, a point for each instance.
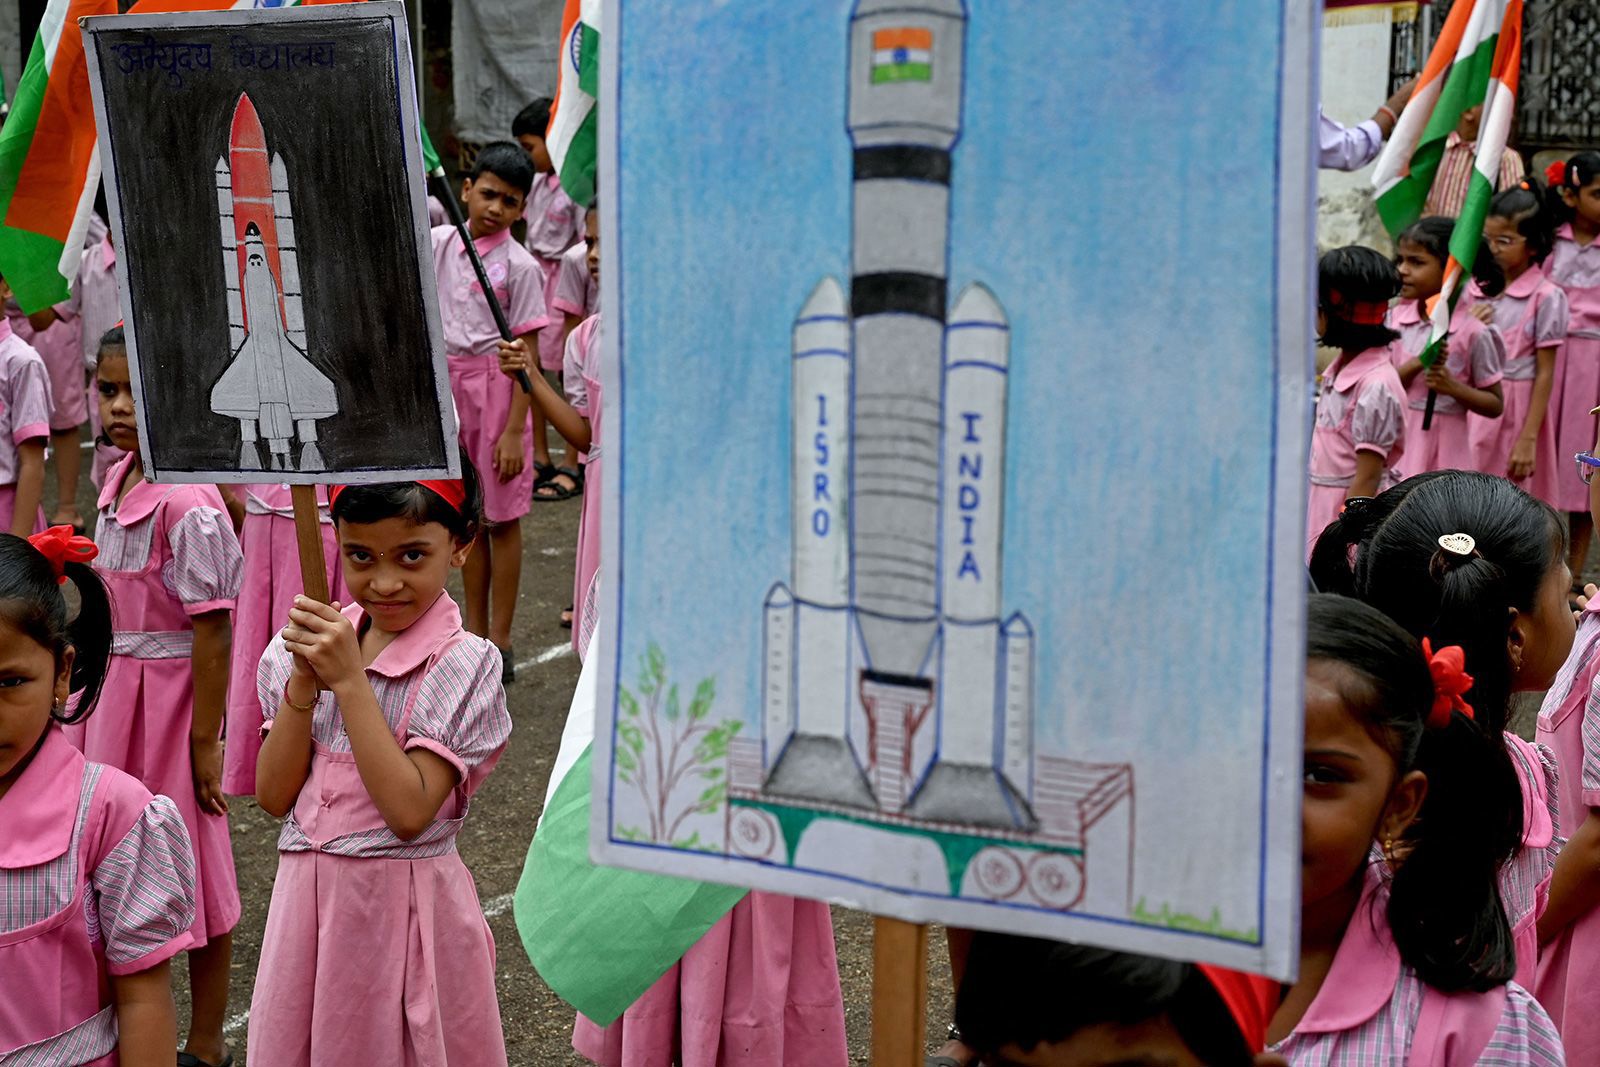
(1341, 147)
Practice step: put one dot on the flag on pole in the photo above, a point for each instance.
(574, 134)
(1476, 60)
(49, 158)
(600, 936)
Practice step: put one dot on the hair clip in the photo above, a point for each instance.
(1525, 184)
(1448, 668)
(61, 546)
(1459, 544)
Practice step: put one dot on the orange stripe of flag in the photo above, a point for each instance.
(907, 37)
(1508, 50)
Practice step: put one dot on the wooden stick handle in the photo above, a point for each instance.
(899, 993)
(308, 535)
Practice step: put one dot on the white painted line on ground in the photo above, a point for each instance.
(497, 905)
(235, 1024)
(552, 653)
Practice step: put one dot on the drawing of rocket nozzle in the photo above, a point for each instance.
(271, 386)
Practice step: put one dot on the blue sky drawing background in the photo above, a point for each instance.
(1128, 233)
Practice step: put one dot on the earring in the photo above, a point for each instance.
(1388, 849)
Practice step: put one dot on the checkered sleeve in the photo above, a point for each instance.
(1550, 317)
(144, 891)
(1525, 1037)
(460, 713)
(207, 565)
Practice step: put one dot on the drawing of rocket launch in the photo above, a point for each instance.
(270, 386)
(891, 681)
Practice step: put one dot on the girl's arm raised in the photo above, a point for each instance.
(1544, 378)
(1575, 888)
(146, 1017)
(515, 356)
(284, 761)
(213, 642)
(408, 788)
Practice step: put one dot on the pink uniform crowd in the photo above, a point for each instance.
(1450, 881)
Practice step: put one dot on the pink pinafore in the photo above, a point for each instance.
(1576, 268)
(581, 377)
(376, 950)
(56, 999)
(1475, 354)
(271, 581)
(1361, 408)
(167, 553)
(1531, 315)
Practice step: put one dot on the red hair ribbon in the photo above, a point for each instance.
(1362, 312)
(1250, 998)
(60, 545)
(452, 491)
(1556, 173)
(1450, 680)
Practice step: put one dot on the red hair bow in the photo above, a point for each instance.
(1450, 680)
(1556, 173)
(61, 546)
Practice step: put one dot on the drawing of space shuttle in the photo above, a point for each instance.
(270, 386)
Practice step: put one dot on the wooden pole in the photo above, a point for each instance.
(899, 993)
(308, 535)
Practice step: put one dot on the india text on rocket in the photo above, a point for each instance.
(270, 386)
(895, 693)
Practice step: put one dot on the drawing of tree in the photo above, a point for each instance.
(672, 755)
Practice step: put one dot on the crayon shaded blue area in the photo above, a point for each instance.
(1114, 187)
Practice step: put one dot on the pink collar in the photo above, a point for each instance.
(412, 647)
(485, 245)
(141, 501)
(1364, 971)
(5, 328)
(1527, 284)
(1405, 313)
(1564, 232)
(42, 804)
(109, 253)
(1354, 370)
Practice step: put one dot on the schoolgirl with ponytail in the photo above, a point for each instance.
(1574, 265)
(96, 875)
(1407, 960)
(1531, 314)
(1360, 425)
(1467, 559)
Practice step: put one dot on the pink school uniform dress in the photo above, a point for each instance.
(555, 223)
(577, 293)
(1475, 354)
(271, 581)
(376, 949)
(1531, 314)
(94, 296)
(96, 881)
(167, 552)
(1361, 408)
(482, 393)
(1569, 723)
(1373, 1010)
(58, 345)
(1576, 269)
(24, 413)
(580, 376)
(1525, 879)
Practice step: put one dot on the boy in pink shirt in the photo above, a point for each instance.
(24, 429)
(555, 224)
(492, 410)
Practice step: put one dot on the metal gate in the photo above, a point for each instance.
(1558, 104)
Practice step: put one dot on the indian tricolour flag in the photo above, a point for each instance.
(600, 936)
(902, 55)
(574, 135)
(49, 161)
(1476, 60)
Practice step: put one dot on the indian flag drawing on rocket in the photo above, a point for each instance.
(898, 697)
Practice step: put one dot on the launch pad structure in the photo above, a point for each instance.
(898, 699)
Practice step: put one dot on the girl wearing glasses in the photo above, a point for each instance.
(1531, 314)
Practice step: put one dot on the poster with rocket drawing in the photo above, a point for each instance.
(957, 357)
(279, 297)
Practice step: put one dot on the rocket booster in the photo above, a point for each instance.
(904, 117)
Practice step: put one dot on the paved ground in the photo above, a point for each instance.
(538, 1025)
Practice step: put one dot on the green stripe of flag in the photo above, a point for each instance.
(902, 72)
(1464, 86)
(589, 60)
(578, 167)
(601, 936)
(29, 260)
